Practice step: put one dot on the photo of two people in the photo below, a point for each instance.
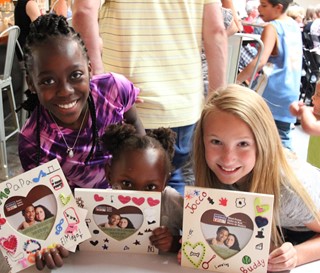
(118, 223)
(33, 215)
(227, 236)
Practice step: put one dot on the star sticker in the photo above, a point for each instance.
(105, 247)
(196, 192)
(188, 196)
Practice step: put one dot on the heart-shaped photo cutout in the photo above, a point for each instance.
(33, 215)
(226, 235)
(119, 223)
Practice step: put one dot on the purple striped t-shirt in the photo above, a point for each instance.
(113, 95)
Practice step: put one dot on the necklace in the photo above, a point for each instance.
(70, 149)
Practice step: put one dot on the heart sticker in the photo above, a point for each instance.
(260, 209)
(98, 198)
(194, 253)
(2, 221)
(34, 214)
(138, 201)
(9, 244)
(153, 202)
(118, 223)
(261, 221)
(124, 199)
(222, 232)
(64, 199)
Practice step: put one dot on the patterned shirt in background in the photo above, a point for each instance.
(113, 95)
(156, 44)
(247, 54)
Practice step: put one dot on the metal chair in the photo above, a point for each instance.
(234, 46)
(12, 34)
(69, 20)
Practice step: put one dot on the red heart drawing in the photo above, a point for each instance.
(98, 198)
(153, 202)
(2, 221)
(138, 201)
(124, 199)
(9, 244)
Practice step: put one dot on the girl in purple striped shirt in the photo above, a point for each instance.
(69, 109)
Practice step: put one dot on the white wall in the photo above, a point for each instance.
(307, 3)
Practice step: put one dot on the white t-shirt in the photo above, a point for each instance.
(315, 32)
(293, 212)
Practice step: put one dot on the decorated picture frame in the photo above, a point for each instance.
(107, 209)
(38, 212)
(226, 231)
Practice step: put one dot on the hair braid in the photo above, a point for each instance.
(95, 138)
(38, 136)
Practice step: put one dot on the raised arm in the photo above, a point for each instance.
(310, 124)
(85, 21)
(33, 10)
(60, 7)
(215, 45)
(228, 4)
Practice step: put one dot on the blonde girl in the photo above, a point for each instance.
(237, 147)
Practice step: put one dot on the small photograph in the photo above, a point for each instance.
(226, 235)
(118, 223)
(33, 215)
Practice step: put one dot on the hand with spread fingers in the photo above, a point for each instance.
(52, 258)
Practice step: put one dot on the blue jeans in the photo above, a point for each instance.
(284, 130)
(182, 152)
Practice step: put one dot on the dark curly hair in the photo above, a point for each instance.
(41, 30)
(119, 138)
(285, 4)
(47, 213)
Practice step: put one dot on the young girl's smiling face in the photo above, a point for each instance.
(141, 170)
(230, 147)
(60, 77)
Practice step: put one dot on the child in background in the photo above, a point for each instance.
(70, 109)
(237, 147)
(281, 62)
(310, 122)
(143, 163)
